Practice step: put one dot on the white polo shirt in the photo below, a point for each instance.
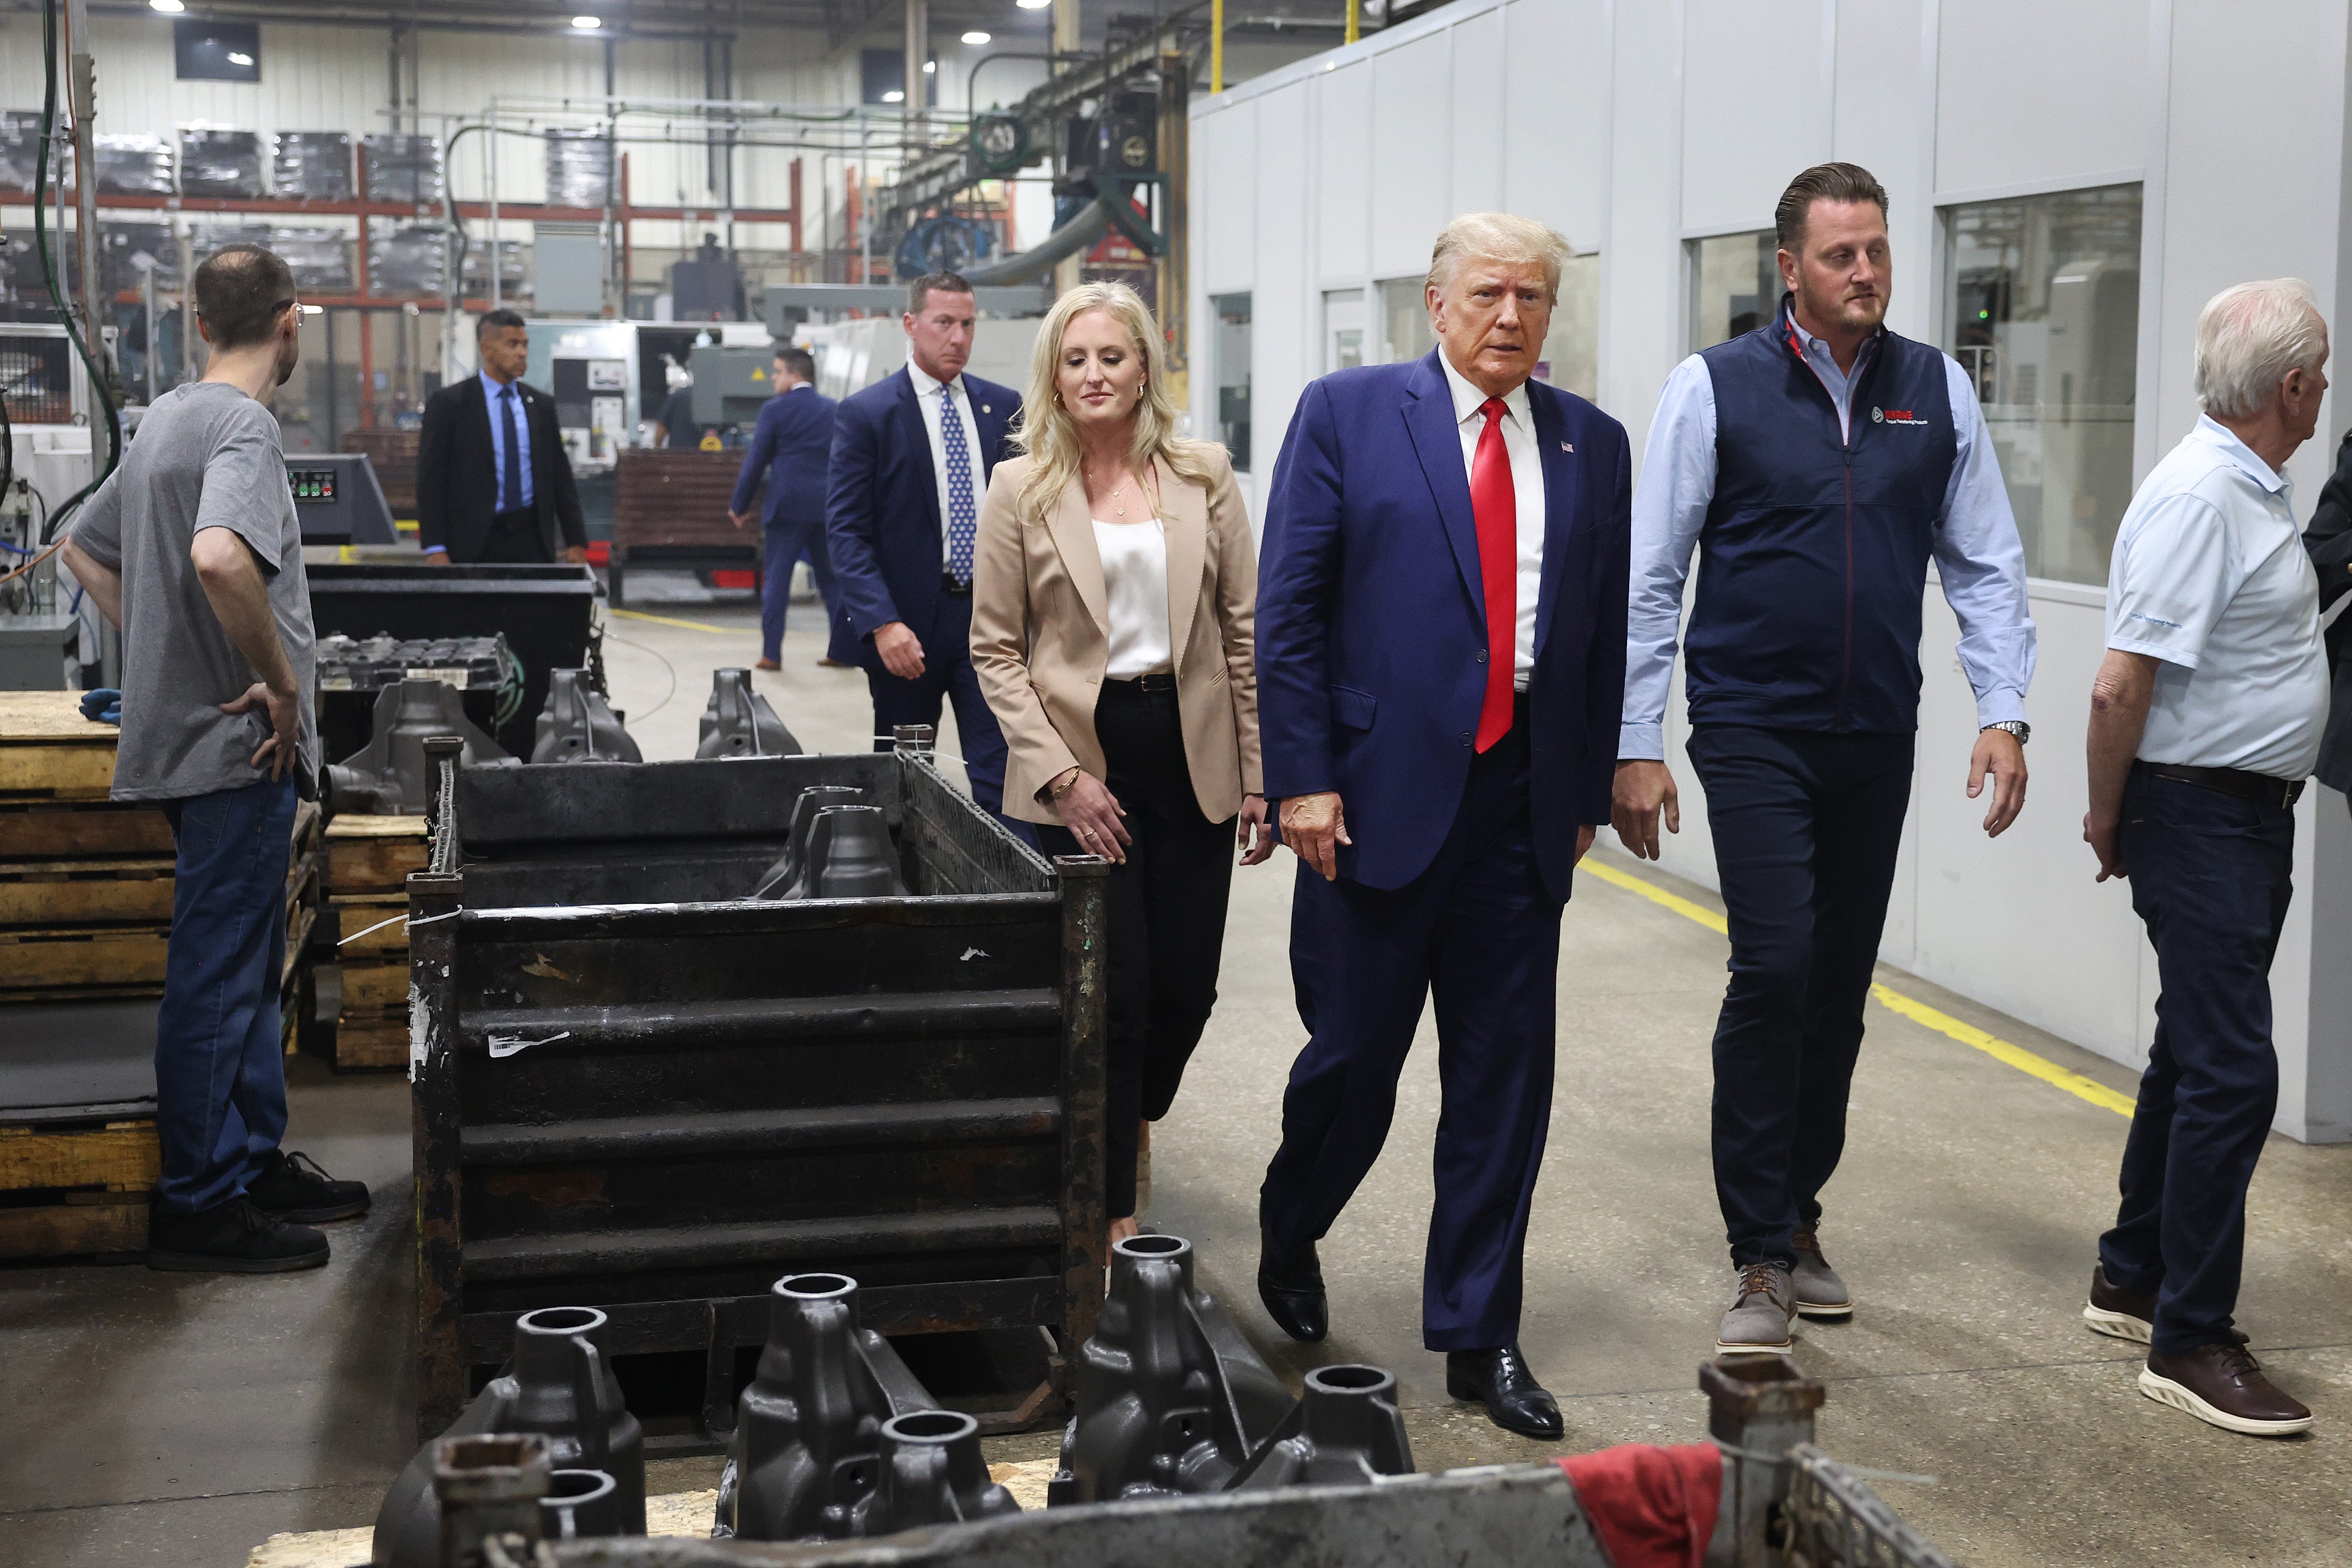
(2210, 576)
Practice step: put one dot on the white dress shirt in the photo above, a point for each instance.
(928, 392)
(2209, 575)
(1135, 580)
(1527, 489)
(1979, 555)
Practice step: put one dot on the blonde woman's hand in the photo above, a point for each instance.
(1092, 814)
(1252, 832)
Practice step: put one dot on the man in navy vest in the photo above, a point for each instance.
(911, 458)
(1822, 461)
(1440, 646)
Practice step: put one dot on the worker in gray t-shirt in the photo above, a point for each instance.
(193, 549)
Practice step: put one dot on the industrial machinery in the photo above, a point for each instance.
(47, 627)
(337, 500)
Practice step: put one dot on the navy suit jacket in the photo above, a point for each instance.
(882, 517)
(1371, 617)
(791, 448)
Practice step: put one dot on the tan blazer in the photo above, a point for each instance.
(1041, 634)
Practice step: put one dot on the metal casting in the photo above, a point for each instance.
(579, 726)
(783, 878)
(580, 1503)
(808, 1445)
(483, 1486)
(1344, 1431)
(849, 855)
(389, 775)
(559, 1385)
(931, 1473)
(739, 723)
(1170, 1398)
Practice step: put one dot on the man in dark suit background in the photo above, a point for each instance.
(791, 450)
(493, 481)
(911, 458)
(1440, 657)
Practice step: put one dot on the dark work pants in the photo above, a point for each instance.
(782, 543)
(1477, 932)
(1806, 825)
(948, 677)
(514, 538)
(220, 1065)
(1167, 916)
(2210, 878)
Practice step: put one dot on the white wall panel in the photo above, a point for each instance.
(2030, 91)
(1882, 100)
(1282, 305)
(1756, 107)
(1556, 66)
(1641, 252)
(1343, 172)
(1475, 133)
(1410, 145)
(1228, 143)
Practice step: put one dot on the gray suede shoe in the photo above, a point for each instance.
(1763, 1305)
(1820, 1293)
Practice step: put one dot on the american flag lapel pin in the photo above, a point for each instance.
(1568, 446)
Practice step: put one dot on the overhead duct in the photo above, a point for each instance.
(1078, 235)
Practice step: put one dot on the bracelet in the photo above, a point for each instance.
(1059, 790)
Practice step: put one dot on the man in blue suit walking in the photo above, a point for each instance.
(911, 458)
(1441, 638)
(790, 449)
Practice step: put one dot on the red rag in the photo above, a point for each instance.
(1651, 1507)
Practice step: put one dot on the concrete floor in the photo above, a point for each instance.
(177, 1418)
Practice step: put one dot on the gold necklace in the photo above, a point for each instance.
(1113, 496)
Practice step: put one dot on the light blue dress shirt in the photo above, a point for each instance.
(1977, 550)
(493, 389)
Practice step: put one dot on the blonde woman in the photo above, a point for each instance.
(1113, 588)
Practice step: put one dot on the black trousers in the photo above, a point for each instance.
(2210, 878)
(1806, 825)
(1167, 916)
(514, 538)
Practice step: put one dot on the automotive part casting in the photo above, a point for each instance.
(389, 775)
(1345, 1431)
(931, 1473)
(783, 878)
(579, 726)
(739, 723)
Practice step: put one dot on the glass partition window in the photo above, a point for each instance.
(1404, 319)
(2042, 298)
(1571, 350)
(1233, 365)
(1734, 286)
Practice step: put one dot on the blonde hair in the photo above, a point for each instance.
(2249, 336)
(1499, 236)
(1046, 433)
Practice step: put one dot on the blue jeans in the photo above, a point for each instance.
(781, 544)
(2210, 878)
(1806, 825)
(220, 1068)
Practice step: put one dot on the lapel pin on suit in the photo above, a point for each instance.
(1568, 446)
(985, 409)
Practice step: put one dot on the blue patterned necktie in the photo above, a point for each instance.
(963, 515)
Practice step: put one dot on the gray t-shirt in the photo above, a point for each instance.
(206, 455)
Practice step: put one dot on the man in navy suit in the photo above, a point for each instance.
(1441, 642)
(790, 449)
(911, 458)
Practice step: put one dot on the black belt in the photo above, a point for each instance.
(953, 589)
(2280, 792)
(1141, 686)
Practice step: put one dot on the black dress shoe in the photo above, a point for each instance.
(1501, 1380)
(295, 1189)
(1292, 1290)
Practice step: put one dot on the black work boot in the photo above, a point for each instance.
(293, 1187)
(234, 1237)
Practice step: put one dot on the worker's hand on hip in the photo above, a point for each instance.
(285, 711)
(1315, 825)
(577, 555)
(1252, 832)
(902, 651)
(436, 558)
(2002, 755)
(1643, 792)
(1092, 814)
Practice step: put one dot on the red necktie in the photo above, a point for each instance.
(1495, 506)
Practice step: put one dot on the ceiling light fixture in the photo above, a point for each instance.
(930, 66)
(1033, 5)
(587, 24)
(235, 59)
(976, 38)
(893, 96)
(168, 7)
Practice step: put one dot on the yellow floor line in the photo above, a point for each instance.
(672, 621)
(1918, 1012)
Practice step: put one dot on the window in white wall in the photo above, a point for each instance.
(1404, 319)
(2042, 298)
(1735, 287)
(1232, 363)
(1343, 328)
(1571, 350)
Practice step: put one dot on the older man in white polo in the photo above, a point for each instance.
(2206, 717)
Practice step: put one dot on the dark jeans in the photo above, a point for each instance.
(514, 538)
(2211, 876)
(781, 543)
(1477, 935)
(948, 677)
(1806, 826)
(1166, 918)
(220, 1065)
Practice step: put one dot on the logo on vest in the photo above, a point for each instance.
(1893, 416)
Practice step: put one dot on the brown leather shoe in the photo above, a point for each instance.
(2120, 1314)
(2224, 1386)
(767, 664)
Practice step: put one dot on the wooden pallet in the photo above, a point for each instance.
(59, 830)
(49, 752)
(372, 1042)
(373, 854)
(76, 1189)
(97, 891)
(56, 963)
(375, 925)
